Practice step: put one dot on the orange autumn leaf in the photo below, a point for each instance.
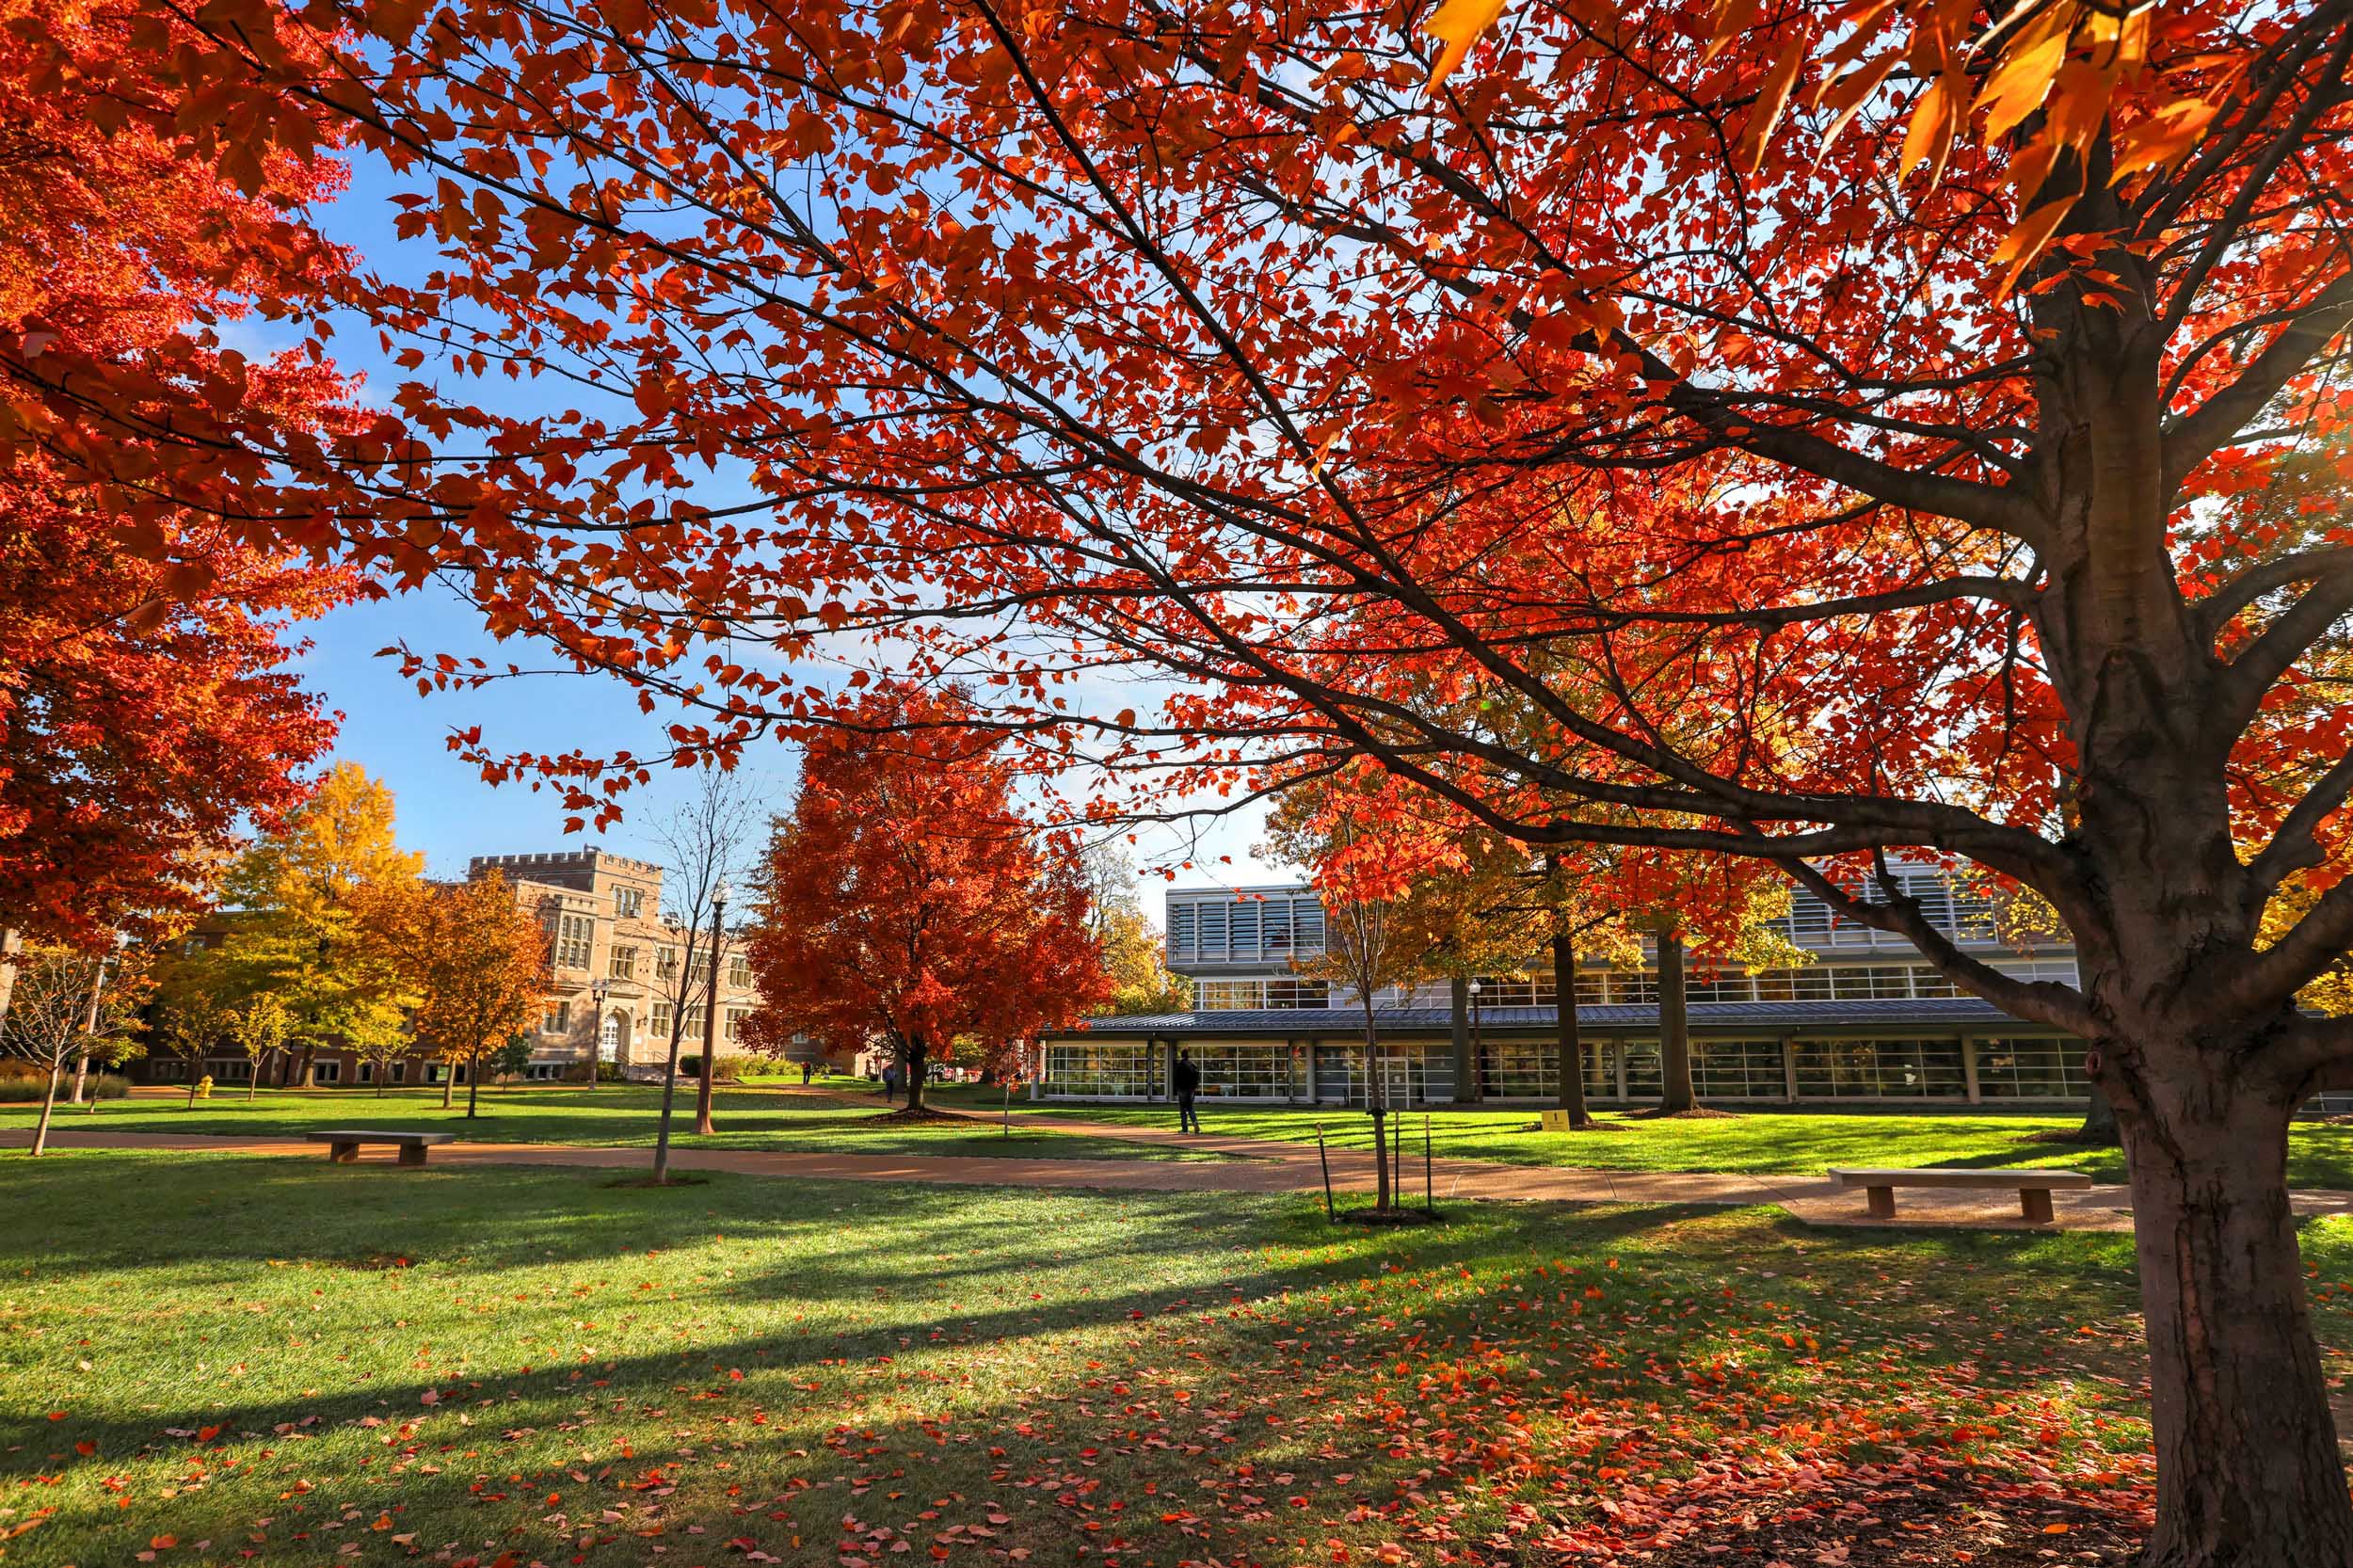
(1458, 24)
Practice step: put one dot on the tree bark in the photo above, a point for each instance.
(48, 1104)
(918, 1057)
(1377, 1102)
(449, 1084)
(2100, 1121)
(2249, 1474)
(1674, 1031)
(1572, 1049)
(474, 1084)
(81, 1073)
(669, 1095)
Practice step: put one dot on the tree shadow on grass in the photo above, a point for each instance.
(983, 1356)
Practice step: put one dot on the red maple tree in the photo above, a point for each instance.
(906, 903)
(145, 706)
(1800, 430)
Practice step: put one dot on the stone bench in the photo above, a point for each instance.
(342, 1147)
(2034, 1188)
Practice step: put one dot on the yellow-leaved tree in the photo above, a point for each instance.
(305, 923)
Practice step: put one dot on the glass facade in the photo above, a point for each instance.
(1230, 996)
(1738, 1070)
(1526, 1068)
(1109, 1069)
(1243, 929)
(1243, 1071)
(2031, 1070)
(1879, 1069)
(1412, 1074)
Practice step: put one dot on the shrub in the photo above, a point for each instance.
(21, 1089)
(724, 1069)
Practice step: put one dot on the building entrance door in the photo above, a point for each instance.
(609, 1038)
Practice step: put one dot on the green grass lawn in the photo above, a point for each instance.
(2319, 1154)
(617, 1114)
(225, 1361)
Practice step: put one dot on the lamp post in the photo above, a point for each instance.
(711, 1008)
(598, 991)
(1479, 1056)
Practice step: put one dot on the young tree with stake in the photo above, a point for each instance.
(704, 840)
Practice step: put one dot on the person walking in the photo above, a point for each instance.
(1188, 1079)
(806, 1071)
(891, 1082)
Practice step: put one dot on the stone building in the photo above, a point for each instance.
(614, 964)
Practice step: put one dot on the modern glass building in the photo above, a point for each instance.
(1867, 1021)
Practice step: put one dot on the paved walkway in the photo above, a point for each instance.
(1262, 1166)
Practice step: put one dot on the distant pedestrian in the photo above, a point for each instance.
(1188, 1085)
(891, 1082)
(806, 1072)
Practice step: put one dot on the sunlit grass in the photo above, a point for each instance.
(2320, 1154)
(297, 1360)
(620, 1116)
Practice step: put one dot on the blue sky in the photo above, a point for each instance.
(445, 807)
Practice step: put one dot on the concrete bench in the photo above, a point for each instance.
(2034, 1188)
(342, 1147)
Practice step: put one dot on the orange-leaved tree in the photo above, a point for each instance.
(906, 901)
(1809, 431)
(476, 964)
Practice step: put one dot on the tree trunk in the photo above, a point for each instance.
(253, 1081)
(10, 944)
(474, 1084)
(48, 1104)
(1376, 1101)
(81, 1076)
(1572, 1049)
(449, 1084)
(1674, 1031)
(2100, 1121)
(310, 1054)
(2249, 1474)
(669, 1093)
(917, 1059)
(196, 1070)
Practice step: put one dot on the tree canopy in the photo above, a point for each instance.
(146, 709)
(906, 904)
(1802, 431)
